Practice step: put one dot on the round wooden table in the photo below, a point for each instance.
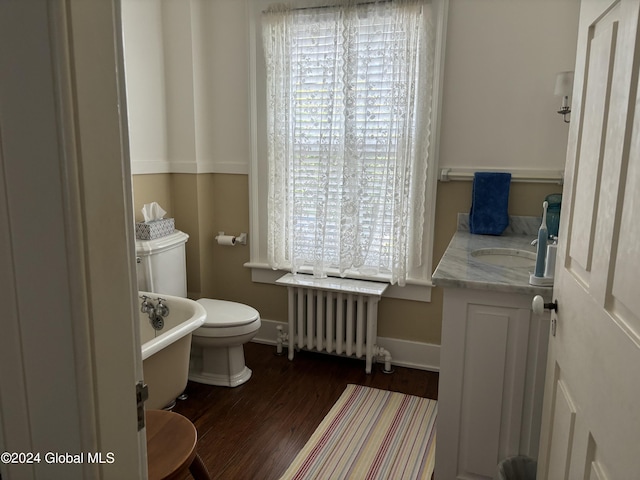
(171, 447)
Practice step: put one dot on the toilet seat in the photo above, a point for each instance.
(221, 313)
(227, 319)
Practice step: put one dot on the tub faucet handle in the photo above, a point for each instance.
(146, 306)
(161, 309)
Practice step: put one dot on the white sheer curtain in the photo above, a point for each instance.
(349, 94)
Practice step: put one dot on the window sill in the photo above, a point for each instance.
(415, 289)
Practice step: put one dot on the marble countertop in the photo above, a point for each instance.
(459, 269)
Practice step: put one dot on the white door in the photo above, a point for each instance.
(69, 350)
(591, 413)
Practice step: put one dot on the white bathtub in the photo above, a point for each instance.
(165, 353)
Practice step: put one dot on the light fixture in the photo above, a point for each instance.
(564, 89)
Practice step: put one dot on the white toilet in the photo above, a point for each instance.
(217, 352)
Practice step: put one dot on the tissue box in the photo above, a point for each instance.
(155, 229)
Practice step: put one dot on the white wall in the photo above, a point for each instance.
(229, 71)
(498, 106)
(144, 68)
(501, 60)
(187, 85)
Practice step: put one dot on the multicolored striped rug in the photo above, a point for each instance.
(371, 434)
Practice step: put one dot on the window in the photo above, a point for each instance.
(348, 142)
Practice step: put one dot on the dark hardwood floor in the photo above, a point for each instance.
(254, 431)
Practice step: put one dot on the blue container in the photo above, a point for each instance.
(553, 213)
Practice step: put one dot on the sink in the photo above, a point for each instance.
(505, 257)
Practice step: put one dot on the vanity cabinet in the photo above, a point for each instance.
(492, 369)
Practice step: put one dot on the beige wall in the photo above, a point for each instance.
(207, 203)
(203, 205)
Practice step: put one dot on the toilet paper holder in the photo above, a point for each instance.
(231, 240)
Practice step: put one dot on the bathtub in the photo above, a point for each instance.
(165, 352)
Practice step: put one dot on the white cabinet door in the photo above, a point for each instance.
(591, 415)
(492, 373)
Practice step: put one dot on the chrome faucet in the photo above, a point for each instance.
(161, 309)
(147, 306)
(552, 238)
(155, 312)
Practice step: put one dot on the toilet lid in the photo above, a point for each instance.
(221, 313)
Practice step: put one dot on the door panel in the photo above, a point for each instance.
(623, 300)
(562, 437)
(591, 419)
(598, 83)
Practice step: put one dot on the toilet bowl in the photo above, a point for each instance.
(217, 352)
(217, 347)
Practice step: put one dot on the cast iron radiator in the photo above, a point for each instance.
(333, 315)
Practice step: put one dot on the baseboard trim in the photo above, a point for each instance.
(404, 353)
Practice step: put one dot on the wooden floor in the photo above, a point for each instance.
(254, 431)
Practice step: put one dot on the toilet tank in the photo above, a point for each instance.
(162, 267)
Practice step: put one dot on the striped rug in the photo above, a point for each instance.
(371, 434)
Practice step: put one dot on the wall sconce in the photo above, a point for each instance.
(564, 89)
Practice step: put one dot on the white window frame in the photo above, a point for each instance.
(418, 285)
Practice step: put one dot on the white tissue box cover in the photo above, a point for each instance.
(155, 229)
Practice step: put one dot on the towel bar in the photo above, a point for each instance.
(531, 176)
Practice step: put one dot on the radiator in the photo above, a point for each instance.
(333, 315)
